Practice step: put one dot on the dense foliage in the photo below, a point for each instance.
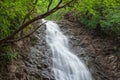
(94, 14)
(105, 13)
(16, 17)
(11, 15)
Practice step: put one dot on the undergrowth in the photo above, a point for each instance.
(6, 57)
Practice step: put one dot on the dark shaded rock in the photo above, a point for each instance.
(101, 58)
(97, 53)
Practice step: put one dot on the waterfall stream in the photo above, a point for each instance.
(66, 65)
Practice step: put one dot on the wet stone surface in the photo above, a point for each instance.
(101, 59)
(76, 46)
(37, 64)
(39, 61)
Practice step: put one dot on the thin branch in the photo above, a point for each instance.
(26, 16)
(56, 8)
(18, 39)
(58, 4)
(35, 2)
(65, 5)
(50, 3)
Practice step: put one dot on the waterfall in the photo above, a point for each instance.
(66, 65)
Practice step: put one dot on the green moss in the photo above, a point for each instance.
(7, 56)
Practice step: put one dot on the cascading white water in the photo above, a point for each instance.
(66, 65)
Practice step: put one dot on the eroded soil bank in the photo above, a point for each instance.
(99, 55)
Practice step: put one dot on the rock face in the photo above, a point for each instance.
(73, 32)
(38, 65)
(97, 53)
(101, 59)
(34, 64)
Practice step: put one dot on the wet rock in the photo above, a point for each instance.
(97, 53)
(101, 58)
(39, 66)
(12, 68)
(19, 75)
(39, 60)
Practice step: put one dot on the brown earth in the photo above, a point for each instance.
(17, 67)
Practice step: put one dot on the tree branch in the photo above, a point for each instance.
(56, 8)
(67, 4)
(58, 4)
(18, 39)
(49, 5)
(26, 16)
(35, 2)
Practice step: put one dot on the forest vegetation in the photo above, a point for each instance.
(17, 16)
(16, 20)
